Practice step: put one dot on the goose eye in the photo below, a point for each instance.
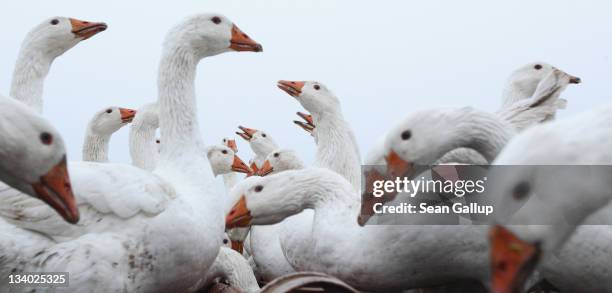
(216, 20)
(224, 241)
(224, 152)
(537, 67)
(263, 135)
(317, 87)
(109, 111)
(54, 21)
(157, 141)
(406, 135)
(258, 188)
(521, 190)
(46, 138)
(276, 155)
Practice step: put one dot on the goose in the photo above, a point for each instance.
(128, 212)
(336, 143)
(223, 160)
(261, 143)
(99, 130)
(143, 144)
(45, 42)
(265, 245)
(385, 259)
(33, 159)
(231, 178)
(540, 212)
(529, 88)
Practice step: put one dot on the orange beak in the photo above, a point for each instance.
(266, 169)
(254, 170)
(397, 167)
(575, 80)
(238, 246)
(241, 42)
(512, 260)
(85, 29)
(239, 166)
(247, 133)
(293, 88)
(127, 115)
(54, 188)
(308, 125)
(231, 143)
(239, 215)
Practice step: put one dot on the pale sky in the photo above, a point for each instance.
(383, 59)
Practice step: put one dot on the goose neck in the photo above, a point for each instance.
(29, 75)
(177, 105)
(95, 147)
(484, 133)
(143, 149)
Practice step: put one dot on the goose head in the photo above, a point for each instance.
(223, 160)
(421, 139)
(56, 35)
(262, 201)
(33, 159)
(260, 142)
(308, 123)
(111, 119)
(280, 160)
(523, 82)
(315, 97)
(209, 34)
(539, 201)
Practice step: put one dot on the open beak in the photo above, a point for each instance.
(293, 88)
(54, 189)
(85, 29)
(238, 246)
(239, 215)
(397, 167)
(231, 143)
(512, 260)
(308, 125)
(266, 169)
(239, 166)
(127, 115)
(247, 133)
(254, 170)
(241, 42)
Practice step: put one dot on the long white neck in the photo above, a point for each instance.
(143, 149)
(513, 93)
(95, 147)
(177, 105)
(337, 147)
(321, 190)
(29, 75)
(483, 132)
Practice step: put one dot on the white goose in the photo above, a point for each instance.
(143, 145)
(529, 87)
(134, 211)
(261, 143)
(336, 143)
(33, 159)
(99, 131)
(45, 42)
(547, 195)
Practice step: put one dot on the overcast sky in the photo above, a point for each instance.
(383, 59)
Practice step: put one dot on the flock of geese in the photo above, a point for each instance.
(158, 225)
